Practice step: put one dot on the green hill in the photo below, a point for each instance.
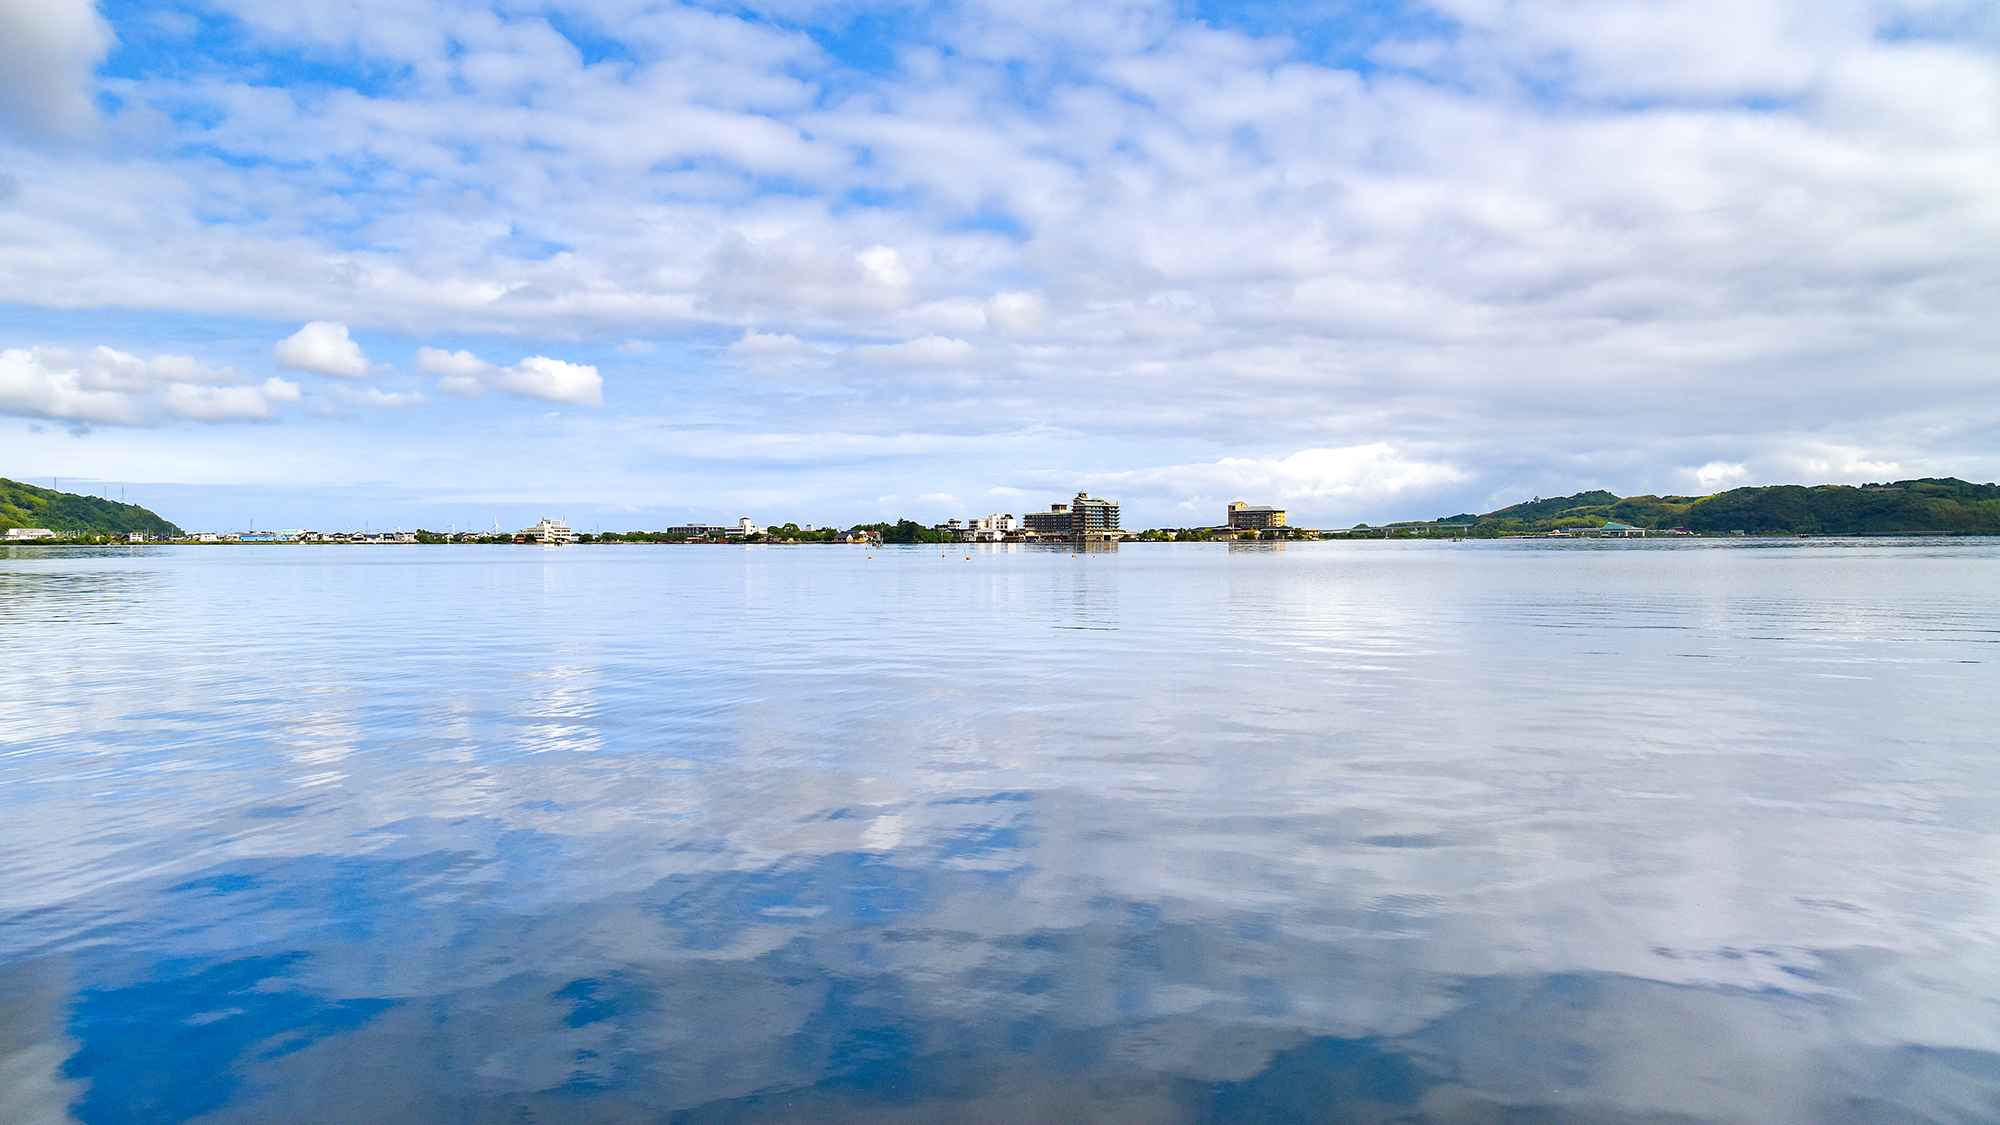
(1925, 504)
(26, 505)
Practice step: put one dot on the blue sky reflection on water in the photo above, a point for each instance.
(1339, 833)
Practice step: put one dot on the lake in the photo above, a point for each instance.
(1522, 832)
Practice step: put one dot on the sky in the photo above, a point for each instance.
(346, 263)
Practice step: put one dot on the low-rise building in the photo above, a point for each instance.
(30, 533)
(986, 529)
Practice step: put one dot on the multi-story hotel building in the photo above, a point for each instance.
(1254, 517)
(1086, 515)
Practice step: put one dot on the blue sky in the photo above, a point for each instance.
(426, 262)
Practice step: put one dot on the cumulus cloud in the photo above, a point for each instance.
(227, 404)
(48, 49)
(108, 387)
(322, 347)
(1719, 474)
(465, 375)
(552, 379)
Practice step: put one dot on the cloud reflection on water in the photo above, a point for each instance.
(1355, 836)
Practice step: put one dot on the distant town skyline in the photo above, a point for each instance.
(646, 263)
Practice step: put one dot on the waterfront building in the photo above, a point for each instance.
(1090, 515)
(1254, 517)
(30, 533)
(1083, 516)
(701, 531)
(986, 529)
(547, 532)
(1055, 521)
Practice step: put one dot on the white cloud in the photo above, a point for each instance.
(375, 397)
(1815, 462)
(109, 387)
(33, 386)
(552, 379)
(462, 370)
(761, 345)
(467, 376)
(940, 351)
(1315, 478)
(437, 361)
(1717, 474)
(322, 347)
(1017, 313)
(48, 49)
(201, 403)
(885, 265)
(794, 275)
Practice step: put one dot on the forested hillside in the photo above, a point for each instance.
(26, 505)
(1925, 504)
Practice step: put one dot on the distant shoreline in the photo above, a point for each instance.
(1050, 544)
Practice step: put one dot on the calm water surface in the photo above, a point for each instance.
(1450, 833)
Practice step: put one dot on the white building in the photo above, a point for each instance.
(548, 532)
(30, 533)
(985, 529)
